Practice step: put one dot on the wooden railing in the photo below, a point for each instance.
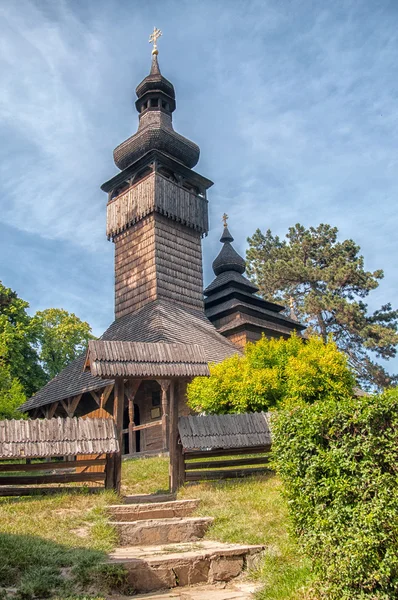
(227, 467)
(14, 475)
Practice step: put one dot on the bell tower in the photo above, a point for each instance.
(157, 208)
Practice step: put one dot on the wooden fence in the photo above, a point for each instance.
(254, 461)
(19, 479)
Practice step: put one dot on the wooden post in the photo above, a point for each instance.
(132, 389)
(180, 464)
(173, 436)
(118, 408)
(165, 384)
(110, 472)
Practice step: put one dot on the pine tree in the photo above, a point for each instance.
(325, 283)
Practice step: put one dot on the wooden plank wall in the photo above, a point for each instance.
(41, 473)
(156, 192)
(229, 463)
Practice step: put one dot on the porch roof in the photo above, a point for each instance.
(109, 359)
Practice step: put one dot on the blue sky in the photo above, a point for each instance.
(294, 104)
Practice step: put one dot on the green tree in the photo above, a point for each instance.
(325, 283)
(60, 338)
(18, 356)
(33, 349)
(11, 394)
(273, 372)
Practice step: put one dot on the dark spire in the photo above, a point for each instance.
(155, 104)
(228, 259)
(155, 69)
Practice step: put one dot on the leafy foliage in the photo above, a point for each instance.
(11, 394)
(324, 281)
(272, 372)
(61, 337)
(33, 349)
(18, 356)
(338, 461)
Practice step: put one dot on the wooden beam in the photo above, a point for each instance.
(51, 410)
(65, 407)
(173, 436)
(96, 397)
(131, 391)
(147, 425)
(237, 462)
(105, 394)
(74, 403)
(226, 474)
(45, 466)
(58, 478)
(118, 408)
(190, 454)
(165, 384)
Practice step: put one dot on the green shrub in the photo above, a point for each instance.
(339, 464)
(272, 372)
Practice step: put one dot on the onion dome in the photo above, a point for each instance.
(228, 259)
(156, 103)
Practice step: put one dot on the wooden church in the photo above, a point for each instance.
(166, 329)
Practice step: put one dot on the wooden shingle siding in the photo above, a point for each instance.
(178, 263)
(130, 359)
(250, 430)
(135, 270)
(56, 437)
(155, 193)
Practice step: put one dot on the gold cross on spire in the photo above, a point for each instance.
(225, 219)
(153, 38)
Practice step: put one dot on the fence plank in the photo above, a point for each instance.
(225, 452)
(28, 491)
(69, 464)
(238, 462)
(59, 478)
(230, 474)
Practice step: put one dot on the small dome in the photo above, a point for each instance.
(155, 81)
(156, 103)
(228, 259)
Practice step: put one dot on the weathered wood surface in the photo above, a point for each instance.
(156, 193)
(173, 439)
(49, 466)
(39, 438)
(33, 491)
(118, 417)
(225, 452)
(58, 478)
(239, 462)
(226, 474)
(157, 258)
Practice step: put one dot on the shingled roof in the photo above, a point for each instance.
(57, 437)
(158, 321)
(143, 359)
(224, 431)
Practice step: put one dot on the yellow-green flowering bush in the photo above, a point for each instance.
(273, 372)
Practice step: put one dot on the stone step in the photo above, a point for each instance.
(153, 510)
(161, 531)
(154, 568)
(149, 498)
(239, 590)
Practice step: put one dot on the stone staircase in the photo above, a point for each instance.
(161, 547)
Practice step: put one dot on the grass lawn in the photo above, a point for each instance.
(53, 546)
